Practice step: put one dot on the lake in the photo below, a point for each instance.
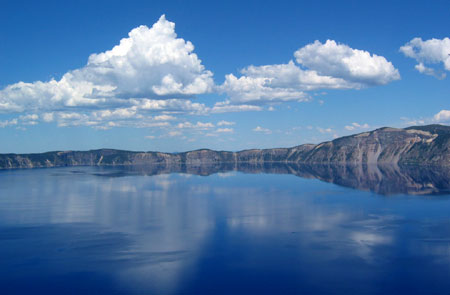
(225, 230)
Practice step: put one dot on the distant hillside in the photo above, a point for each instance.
(424, 145)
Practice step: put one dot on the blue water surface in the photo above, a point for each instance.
(93, 230)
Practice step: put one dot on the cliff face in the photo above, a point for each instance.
(424, 145)
(414, 145)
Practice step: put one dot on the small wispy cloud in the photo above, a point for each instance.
(225, 123)
(198, 125)
(429, 55)
(357, 126)
(324, 130)
(262, 130)
(225, 130)
(174, 133)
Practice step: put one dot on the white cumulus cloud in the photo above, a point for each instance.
(442, 116)
(264, 84)
(319, 65)
(429, 54)
(358, 68)
(151, 63)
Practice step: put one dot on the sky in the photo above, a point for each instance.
(226, 75)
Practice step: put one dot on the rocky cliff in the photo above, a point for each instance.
(424, 145)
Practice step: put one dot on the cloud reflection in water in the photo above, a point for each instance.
(168, 233)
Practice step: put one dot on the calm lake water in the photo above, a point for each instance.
(87, 230)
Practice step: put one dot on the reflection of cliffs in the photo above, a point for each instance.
(384, 179)
(429, 145)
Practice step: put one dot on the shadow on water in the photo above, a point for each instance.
(384, 179)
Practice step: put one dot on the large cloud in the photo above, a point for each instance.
(428, 55)
(151, 63)
(328, 66)
(264, 84)
(358, 68)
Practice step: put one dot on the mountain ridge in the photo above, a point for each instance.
(423, 145)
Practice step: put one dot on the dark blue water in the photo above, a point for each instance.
(89, 230)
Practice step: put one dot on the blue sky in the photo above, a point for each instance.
(221, 75)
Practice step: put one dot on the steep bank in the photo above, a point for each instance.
(423, 145)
